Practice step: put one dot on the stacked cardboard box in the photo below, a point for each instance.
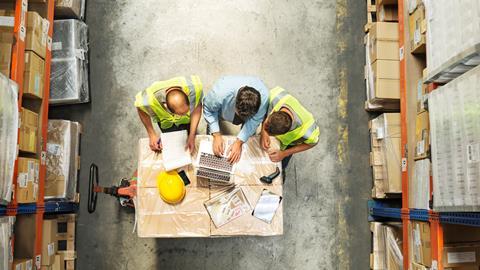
(28, 131)
(382, 70)
(418, 29)
(387, 246)
(70, 9)
(420, 189)
(6, 41)
(27, 181)
(49, 241)
(387, 11)
(37, 34)
(25, 234)
(8, 135)
(422, 136)
(190, 217)
(34, 78)
(455, 136)
(385, 155)
(63, 160)
(421, 243)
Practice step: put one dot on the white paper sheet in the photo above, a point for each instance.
(174, 153)
(267, 206)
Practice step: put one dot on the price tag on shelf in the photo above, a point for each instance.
(400, 53)
(38, 261)
(43, 157)
(23, 32)
(434, 265)
(404, 164)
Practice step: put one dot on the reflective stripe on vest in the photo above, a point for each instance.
(307, 130)
(146, 100)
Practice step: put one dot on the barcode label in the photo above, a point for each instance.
(461, 257)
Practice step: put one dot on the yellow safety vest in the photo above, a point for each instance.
(308, 130)
(147, 102)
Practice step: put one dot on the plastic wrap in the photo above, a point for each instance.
(453, 42)
(62, 159)
(70, 9)
(155, 218)
(387, 246)
(385, 155)
(420, 190)
(69, 73)
(6, 233)
(8, 135)
(455, 143)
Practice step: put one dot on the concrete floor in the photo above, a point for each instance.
(312, 48)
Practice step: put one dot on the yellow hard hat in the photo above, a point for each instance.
(171, 187)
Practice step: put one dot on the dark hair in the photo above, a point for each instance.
(279, 123)
(247, 102)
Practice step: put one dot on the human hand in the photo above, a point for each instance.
(155, 143)
(218, 144)
(190, 143)
(235, 151)
(276, 155)
(265, 141)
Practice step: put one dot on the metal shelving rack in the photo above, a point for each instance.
(17, 72)
(386, 211)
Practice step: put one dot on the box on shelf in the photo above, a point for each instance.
(8, 135)
(58, 263)
(416, 266)
(417, 26)
(34, 78)
(387, 246)
(24, 246)
(22, 264)
(6, 41)
(27, 181)
(37, 34)
(63, 161)
(387, 13)
(386, 78)
(385, 156)
(49, 241)
(420, 190)
(383, 42)
(6, 233)
(422, 136)
(461, 256)
(69, 9)
(421, 243)
(69, 74)
(28, 131)
(422, 95)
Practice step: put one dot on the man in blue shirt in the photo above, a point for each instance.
(239, 100)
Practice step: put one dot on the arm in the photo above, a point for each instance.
(194, 120)
(147, 123)
(278, 155)
(211, 110)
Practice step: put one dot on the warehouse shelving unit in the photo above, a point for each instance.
(45, 9)
(410, 72)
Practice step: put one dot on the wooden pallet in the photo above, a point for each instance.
(66, 240)
(371, 14)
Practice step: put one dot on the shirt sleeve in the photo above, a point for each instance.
(211, 109)
(252, 124)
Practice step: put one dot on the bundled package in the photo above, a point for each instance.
(62, 159)
(69, 74)
(420, 189)
(455, 143)
(70, 9)
(8, 135)
(453, 42)
(6, 233)
(387, 246)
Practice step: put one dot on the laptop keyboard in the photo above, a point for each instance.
(213, 162)
(214, 176)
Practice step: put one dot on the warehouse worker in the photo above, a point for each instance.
(175, 104)
(240, 100)
(291, 124)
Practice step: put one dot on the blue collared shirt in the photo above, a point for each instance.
(219, 103)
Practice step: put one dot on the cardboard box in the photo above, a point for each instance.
(382, 44)
(463, 256)
(37, 33)
(22, 264)
(385, 30)
(422, 135)
(28, 131)
(387, 13)
(421, 96)
(421, 243)
(6, 42)
(24, 246)
(34, 77)
(69, 9)
(49, 241)
(27, 181)
(416, 266)
(417, 30)
(386, 76)
(58, 263)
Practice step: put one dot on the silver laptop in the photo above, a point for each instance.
(216, 169)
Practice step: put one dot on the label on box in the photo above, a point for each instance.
(43, 157)
(38, 261)
(49, 43)
(31, 170)
(461, 257)
(51, 249)
(400, 53)
(23, 32)
(22, 180)
(473, 154)
(35, 191)
(417, 37)
(53, 149)
(380, 133)
(416, 236)
(36, 172)
(7, 21)
(37, 84)
(28, 265)
(420, 147)
(434, 265)
(57, 46)
(45, 26)
(67, 3)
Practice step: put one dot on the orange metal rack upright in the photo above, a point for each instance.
(17, 75)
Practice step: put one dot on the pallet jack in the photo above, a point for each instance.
(125, 191)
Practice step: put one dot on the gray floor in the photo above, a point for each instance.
(312, 48)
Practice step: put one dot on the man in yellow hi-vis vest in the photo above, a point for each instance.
(290, 123)
(175, 104)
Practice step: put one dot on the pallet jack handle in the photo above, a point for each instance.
(92, 185)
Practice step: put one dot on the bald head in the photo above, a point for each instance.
(177, 101)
